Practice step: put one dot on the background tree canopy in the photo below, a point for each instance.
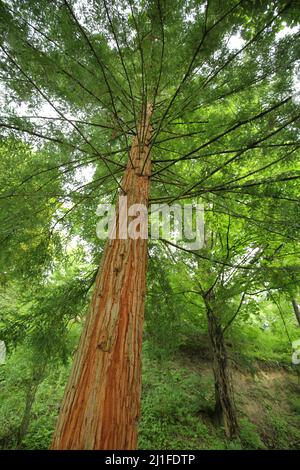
(222, 79)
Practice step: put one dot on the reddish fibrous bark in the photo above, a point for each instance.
(101, 405)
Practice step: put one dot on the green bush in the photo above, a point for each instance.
(249, 435)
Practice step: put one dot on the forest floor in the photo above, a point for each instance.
(178, 399)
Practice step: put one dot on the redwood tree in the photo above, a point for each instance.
(101, 406)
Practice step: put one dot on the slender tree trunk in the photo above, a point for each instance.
(101, 405)
(30, 397)
(32, 388)
(225, 411)
(296, 310)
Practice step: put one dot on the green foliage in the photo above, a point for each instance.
(76, 77)
(45, 409)
(170, 406)
(177, 404)
(16, 376)
(177, 400)
(249, 435)
(295, 404)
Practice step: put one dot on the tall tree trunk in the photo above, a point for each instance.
(296, 310)
(225, 411)
(101, 405)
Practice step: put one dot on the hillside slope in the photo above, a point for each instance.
(178, 401)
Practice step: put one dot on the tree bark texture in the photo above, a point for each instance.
(225, 411)
(101, 405)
